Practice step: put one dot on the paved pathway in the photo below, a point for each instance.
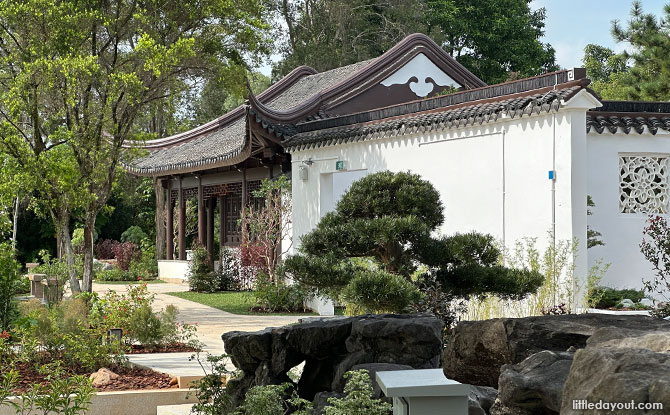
(212, 322)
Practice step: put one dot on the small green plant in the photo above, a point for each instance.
(278, 296)
(273, 400)
(114, 274)
(606, 297)
(656, 249)
(210, 390)
(201, 276)
(358, 399)
(377, 291)
(9, 285)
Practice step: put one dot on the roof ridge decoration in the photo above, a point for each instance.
(378, 70)
(391, 123)
(576, 76)
(627, 116)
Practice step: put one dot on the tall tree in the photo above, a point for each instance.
(649, 37)
(493, 39)
(607, 70)
(77, 75)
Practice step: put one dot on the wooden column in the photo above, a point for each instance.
(222, 221)
(211, 205)
(202, 231)
(182, 223)
(244, 188)
(169, 227)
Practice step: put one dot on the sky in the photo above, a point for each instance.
(572, 24)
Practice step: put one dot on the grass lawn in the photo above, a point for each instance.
(129, 282)
(231, 301)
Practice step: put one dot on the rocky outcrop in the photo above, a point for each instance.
(330, 347)
(102, 377)
(617, 370)
(481, 399)
(533, 386)
(477, 350)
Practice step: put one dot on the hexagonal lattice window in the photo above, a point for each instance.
(643, 184)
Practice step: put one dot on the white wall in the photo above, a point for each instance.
(621, 232)
(492, 178)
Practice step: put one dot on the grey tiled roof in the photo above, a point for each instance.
(457, 116)
(627, 116)
(224, 145)
(227, 144)
(310, 85)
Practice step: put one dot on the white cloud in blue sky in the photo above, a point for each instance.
(572, 24)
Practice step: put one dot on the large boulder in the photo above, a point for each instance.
(476, 350)
(481, 399)
(534, 386)
(330, 347)
(620, 376)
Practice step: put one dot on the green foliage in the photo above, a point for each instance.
(134, 234)
(491, 38)
(9, 285)
(278, 296)
(63, 394)
(648, 79)
(358, 399)
(201, 276)
(656, 249)
(115, 274)
(210, 390)
(367, 252)
(273, 400)
(376, 291)
(228, 274)
(144, 267)
(605, 297)
(145, 326)
(592, 236)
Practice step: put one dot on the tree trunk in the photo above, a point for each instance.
(62, 222)
(160, 219)
(15, 219)
(87, 276)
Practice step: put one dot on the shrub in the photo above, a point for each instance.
(273, 400)
(124, 253)
(210, 391)
(145, 326)
(278, 296)
(201, 276)
(115, 274)
(605, 297)
(144, 267)
(372, 291)
(391, 218)
(656, 249)
(229, 270)
(134, 235)
(105, 249)
(9, 285)
(358, 399)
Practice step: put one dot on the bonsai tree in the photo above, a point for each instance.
(377, 247)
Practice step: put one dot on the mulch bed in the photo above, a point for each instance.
(129, 379)
(173, 348)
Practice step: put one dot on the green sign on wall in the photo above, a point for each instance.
(339, 165)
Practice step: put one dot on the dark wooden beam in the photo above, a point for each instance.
(202, 232)
(211, 205)
(169, 227)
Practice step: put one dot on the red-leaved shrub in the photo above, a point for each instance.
(105, 249)
(124, 252)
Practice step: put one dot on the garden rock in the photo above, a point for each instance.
(647, 302)
(330, 347)
(476, 350)
(619, 375)
(657, 341)
(533, 386)
(627, 302)
(102, 377)
(481, 399)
